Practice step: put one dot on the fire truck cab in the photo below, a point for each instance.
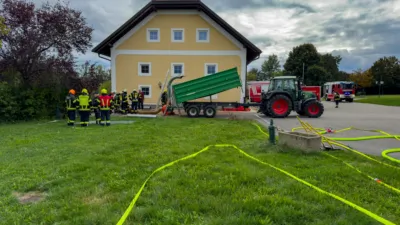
(346, 90)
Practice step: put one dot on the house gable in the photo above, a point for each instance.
(104, 48)
(189, 21)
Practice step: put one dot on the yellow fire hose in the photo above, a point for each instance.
(357, 207)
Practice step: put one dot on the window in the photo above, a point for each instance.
(211, 68)
(144, 69)
(146, 89)
(153, 35)
(177, 35)
(177, 69)
(203, 35)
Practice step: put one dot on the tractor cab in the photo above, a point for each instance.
(285, 94)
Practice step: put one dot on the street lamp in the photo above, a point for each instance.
(380, 82)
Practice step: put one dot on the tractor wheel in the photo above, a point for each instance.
(279, 106)
(193, 111)
(266, 113)
(313, 109)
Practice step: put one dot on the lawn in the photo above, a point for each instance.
(90, 176)
(389, 100)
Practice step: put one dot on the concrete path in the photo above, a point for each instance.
(363, 116)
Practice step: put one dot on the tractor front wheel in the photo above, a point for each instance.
(279, 106)
(313, 109)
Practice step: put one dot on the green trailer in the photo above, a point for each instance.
(184, 93)
(283, 96)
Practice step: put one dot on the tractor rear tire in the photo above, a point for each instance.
(313, 109)
(279, 106)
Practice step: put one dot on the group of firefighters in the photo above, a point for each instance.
(102, 105)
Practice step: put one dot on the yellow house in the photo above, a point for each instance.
(182, 37)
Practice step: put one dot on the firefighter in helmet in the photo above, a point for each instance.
(134, 97)
(71, 107)
(124, 101)
(164, 97)
(337, 99)
(95, 107)
(117, 101)
(105, 103)
(84, 106)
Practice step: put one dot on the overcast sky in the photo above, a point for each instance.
(361, 31)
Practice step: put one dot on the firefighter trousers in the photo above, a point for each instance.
(97, 115)
(105, 117)
(84, 118)
(135, 106)
(140, 104)
(71, 117)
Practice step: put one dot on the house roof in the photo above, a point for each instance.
(104, 48)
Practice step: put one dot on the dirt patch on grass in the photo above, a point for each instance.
(29, 197)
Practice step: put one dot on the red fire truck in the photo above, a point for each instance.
(256, 87)
(346, 90)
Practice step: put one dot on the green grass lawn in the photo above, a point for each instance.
(389, 100)
(90, 176)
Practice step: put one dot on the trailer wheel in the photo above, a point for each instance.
(313, 109)
(193, 111)
(210, 112)
(279, 106)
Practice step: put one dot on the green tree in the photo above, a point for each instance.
(362, 78)
(270, 66)
(387, 69)
(306, 53)
(252, 74)
(331, 64)
(342, 75)
(3, 29)
(316, 76)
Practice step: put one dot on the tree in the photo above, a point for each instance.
(316, 76)
(252, 74)
(387, 69)
(3, 30)
(305, 53)
(342, 75)
(41, 38)
(362, 78)
(270, 66)
(92, 76)
(331, 64)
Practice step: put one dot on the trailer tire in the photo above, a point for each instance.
(313, 109)
(209, 111)
(279, 101)
(193, 111)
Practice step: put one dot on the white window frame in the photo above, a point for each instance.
(148, 34)
(198, 35)
(146, 85)
(140, 68)
(173, 68)
(173, 34)
(206, 74)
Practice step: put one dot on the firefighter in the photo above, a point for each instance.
(337, 99)
(84, 105)
(124, 101)
(134, 97)
(71, 107)
(164, 98)
(105, 103)
(95, 107)
(117, 101)
(141, 99)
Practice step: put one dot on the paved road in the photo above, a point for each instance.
(363, 116)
